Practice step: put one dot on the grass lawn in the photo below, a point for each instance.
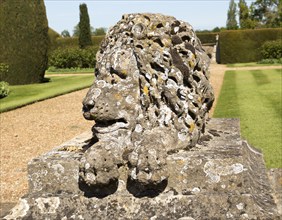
(51, 71)
(252, 64)
(58, 85)
(255, 97)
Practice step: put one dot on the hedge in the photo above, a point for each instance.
(53, 36)
(73, 57)
(242, 46)
(23, 40)
(207, 38)
(73, 42)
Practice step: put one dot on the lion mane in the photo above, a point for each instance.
(151, 87)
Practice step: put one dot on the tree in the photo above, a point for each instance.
(75, 32)
(65, 33)
(231, 22)
(99, 31)
(216, 29)
(244, 16)
(24, 41)
(84, 38)
(267, 13)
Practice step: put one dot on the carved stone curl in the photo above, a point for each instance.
(150, 98)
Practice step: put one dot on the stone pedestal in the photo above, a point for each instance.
(221, 178)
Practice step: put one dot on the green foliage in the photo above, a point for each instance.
(270, 61)
(267, 13)
(207, 38)
(64, 42)
(4, 89)
(65, 33)
(272, 49)
(24, 40)
(84, 38)
(76, 31)
(242, 46)
(73, 57)
(4, 70)
(53, 36)
(94, 32)
(244, 16)
(231, 23)
(255, 97)
(26, 94)
(100, 31)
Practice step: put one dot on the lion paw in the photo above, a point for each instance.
(148, 166)
(99, 167)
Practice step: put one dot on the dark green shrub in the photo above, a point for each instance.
(73, 57)
(242, 46)
(272, 49)
(207, 38)
(84, 27)
(4, 69)
(4, 89)
(270, 61)
(23, 40)
(61, 50)
(266, 61)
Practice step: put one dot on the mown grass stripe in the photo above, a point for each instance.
(258, 105)
(227, 103)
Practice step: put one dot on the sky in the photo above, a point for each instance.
(201, 14)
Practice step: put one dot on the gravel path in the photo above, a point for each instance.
(35, 129)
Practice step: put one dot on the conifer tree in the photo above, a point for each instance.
(84, 38)
(231, 23)
(24, 41)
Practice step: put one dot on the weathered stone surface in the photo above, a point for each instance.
(150, 97)
(222, 177)
(58, 170)
(275, 177)
(146, 157)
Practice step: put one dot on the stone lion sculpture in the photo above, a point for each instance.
(150, 98)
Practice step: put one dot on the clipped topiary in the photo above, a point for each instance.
(23, 40)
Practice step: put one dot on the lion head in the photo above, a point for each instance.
(151, 94)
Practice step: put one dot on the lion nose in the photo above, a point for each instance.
(87, 106)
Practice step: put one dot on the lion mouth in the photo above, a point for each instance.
(108, 126)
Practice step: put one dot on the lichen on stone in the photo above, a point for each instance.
(151, 96)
